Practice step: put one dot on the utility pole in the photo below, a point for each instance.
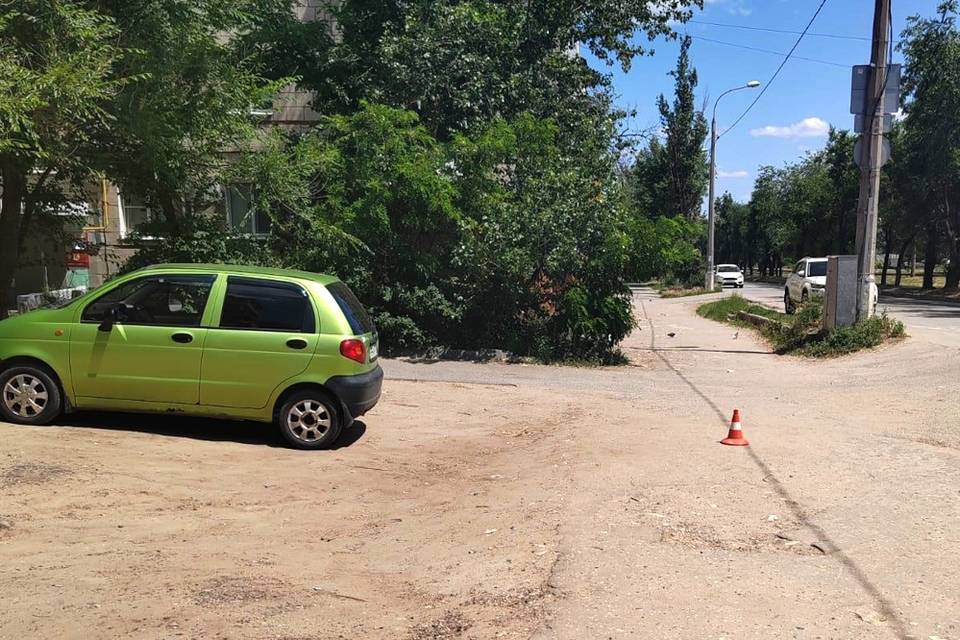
(709, 281)
(872, 161)
(711, 206)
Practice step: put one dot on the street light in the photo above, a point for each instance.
(753, 84)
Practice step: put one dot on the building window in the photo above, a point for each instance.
(242, 214)
(134, 213)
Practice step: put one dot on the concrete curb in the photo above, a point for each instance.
(756, 320)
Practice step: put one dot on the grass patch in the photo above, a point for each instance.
(677, 292)
(803, 333)
(726, 309)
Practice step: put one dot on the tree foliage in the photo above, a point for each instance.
(57, 80)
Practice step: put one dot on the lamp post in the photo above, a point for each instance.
(753, 84)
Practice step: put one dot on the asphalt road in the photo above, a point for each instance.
(935, 322)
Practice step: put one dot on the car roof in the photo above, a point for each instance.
(728, 265)
(237, 269)
(815, 259)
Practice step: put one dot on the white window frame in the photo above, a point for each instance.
(125, 231)
(251, 213)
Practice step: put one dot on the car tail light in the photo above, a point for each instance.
(354, 349)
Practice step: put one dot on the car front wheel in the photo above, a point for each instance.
(787, 303)
(309, 420)
(29, 395)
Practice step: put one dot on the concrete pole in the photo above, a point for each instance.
(868, 205)
(712, 205)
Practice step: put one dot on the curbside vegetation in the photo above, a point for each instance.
(802, 333)
(681, 292)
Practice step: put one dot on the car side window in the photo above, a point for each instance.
(267, 305)
(161, 300)
(800, 269)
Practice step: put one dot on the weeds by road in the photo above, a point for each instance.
(803, 334)
(681, 292)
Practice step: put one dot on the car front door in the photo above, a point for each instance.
(795, 282)
(142, 340)
(267, 333)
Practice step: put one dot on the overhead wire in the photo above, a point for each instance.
(771, 30)
(771, 51)
(779, 69)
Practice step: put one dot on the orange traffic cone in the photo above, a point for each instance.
(735, 436)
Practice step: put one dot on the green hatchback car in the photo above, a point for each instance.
(270, 345)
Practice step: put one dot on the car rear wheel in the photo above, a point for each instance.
(309, 420)
(805, 297)
(29, 395)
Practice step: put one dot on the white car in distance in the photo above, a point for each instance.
(729, 274)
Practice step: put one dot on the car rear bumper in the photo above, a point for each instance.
(359, 393)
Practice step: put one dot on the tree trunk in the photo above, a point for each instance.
(930, 255)
(953, 234)
(11, 201)
(903, 249)
(913, 261)
(887, 247)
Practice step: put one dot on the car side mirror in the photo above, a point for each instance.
(113, 315)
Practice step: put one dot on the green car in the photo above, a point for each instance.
(270, 345)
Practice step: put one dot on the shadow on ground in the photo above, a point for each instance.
(254, 433)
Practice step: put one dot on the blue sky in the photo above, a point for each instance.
(791, 117)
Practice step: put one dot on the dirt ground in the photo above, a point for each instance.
(509, 501)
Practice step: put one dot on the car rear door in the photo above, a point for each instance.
(152, 352)
(266, 333)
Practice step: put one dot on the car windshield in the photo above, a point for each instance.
(816, 269)
(727, 268)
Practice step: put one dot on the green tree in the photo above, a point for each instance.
(58, 76)
(672, 174)
(931, 49)
(172, 131)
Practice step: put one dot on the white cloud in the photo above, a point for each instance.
(812, 127)
(733, 7)
(732, 174)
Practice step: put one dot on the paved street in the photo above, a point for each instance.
(508, 501)
(935, 322)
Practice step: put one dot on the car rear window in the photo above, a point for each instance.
(816, 269)
(358, 318)
(266, 305)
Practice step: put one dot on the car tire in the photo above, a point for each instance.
(30, 395)
(309, 419)
(804, 297)
(788, 307)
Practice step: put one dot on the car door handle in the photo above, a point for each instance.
(297, 343)
(182, 338)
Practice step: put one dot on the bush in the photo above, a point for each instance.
(803, 333)
(196, 239)
(806, 336)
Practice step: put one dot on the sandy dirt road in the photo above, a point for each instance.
(504, 501)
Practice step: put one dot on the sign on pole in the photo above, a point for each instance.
(861, 82)
(884, 152)
(860, 123)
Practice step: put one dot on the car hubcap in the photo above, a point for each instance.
(308, 420)
(25, 396)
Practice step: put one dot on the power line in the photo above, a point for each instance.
(779, 69)
(741, 26)
(771, 51)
